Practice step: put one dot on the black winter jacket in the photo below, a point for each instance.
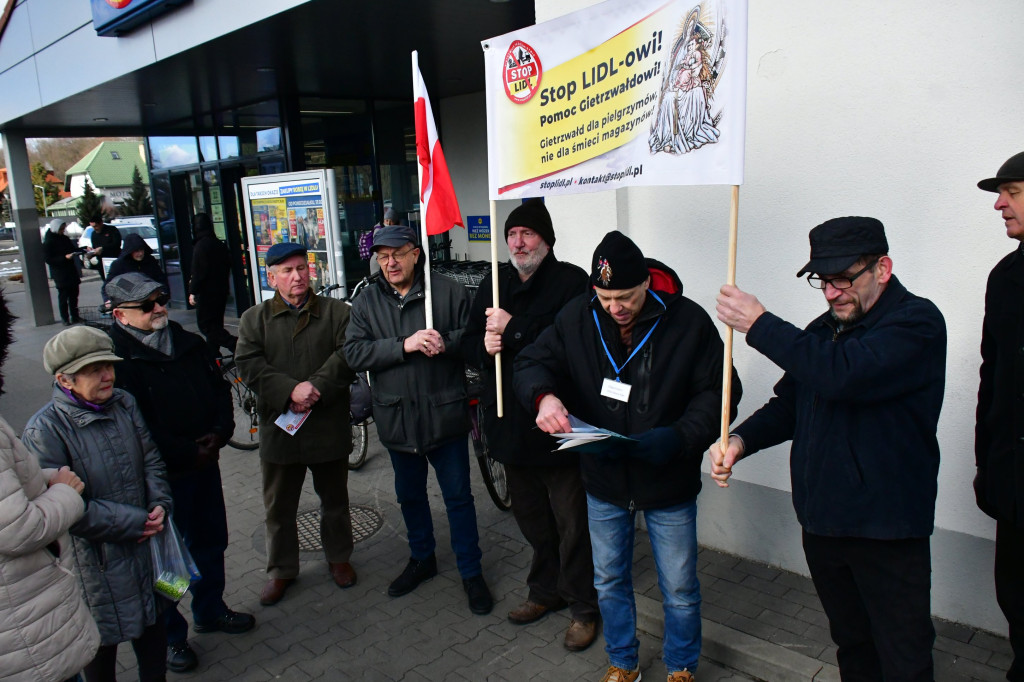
(109, 240)
(676, 380)
(182, 397)
(211, 267)
(999, 434)
(419, 403)
(63, 271)
(861, 407)
(148, 266)
(533, 304)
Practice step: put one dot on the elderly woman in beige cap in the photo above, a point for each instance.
(99, 432)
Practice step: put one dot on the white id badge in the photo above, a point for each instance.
(616, 390)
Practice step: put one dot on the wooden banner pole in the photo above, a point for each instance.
(731, 280)
(494, 303)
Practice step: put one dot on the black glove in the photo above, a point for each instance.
(657, 446)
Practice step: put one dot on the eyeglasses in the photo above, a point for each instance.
(819, 282)
(383, 258)
(148, 305)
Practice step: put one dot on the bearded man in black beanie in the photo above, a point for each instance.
(548, 499)
(640, 359)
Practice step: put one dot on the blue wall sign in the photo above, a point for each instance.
(117, 17)
(479, 227)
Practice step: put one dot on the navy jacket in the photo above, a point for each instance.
(676, 380)
(861, 407)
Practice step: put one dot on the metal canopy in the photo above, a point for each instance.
(329, 48)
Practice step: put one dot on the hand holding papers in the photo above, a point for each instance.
(588, 438)
(291, 421)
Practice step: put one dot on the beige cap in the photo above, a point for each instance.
(74, 348)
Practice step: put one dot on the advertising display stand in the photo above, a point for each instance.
(302, 208)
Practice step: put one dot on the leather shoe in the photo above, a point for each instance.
(232, 622)
(273, 591)
(529, 612)
(580, 635)
(480, 600)
(181, 658)
(344, 575)
(416, 571)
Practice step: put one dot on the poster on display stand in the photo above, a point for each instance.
(302, 208)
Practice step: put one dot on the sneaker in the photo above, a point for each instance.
(181, 658)
(617, 674)
(416, 571)
(480, 600)
(681, 676)
(232, 623)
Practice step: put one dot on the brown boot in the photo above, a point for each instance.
(274, 590)
(580, 635)
(527, 612)
(343, 573)
(681, 676)
(617, 674)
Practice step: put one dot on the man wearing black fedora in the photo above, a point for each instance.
(860, 399)
(999, 434)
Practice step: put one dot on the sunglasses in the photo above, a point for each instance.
(148, 305)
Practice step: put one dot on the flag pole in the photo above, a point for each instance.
(494, 303)
(424, 237)
(731, 280)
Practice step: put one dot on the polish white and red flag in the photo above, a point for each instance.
(438, 206)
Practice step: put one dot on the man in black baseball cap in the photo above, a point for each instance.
(860, 400)
(999, 486)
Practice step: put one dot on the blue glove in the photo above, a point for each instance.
(657, 446)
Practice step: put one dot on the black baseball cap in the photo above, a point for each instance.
(839, 243)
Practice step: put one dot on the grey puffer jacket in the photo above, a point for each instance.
(114, 455)
(419, 403)
(46, 631)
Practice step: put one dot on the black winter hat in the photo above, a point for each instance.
(533, 214)
(618, 263)
(839, 243)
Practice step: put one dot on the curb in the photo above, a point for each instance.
(742, 652)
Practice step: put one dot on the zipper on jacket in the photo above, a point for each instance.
(632, 507)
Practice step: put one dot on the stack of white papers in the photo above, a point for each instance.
(588, 437)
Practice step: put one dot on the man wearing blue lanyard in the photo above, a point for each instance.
(640, 359)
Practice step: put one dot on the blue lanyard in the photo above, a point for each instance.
(617, 368)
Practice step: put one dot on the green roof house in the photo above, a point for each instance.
(109, 169)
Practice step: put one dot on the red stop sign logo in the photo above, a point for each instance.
(521, 72)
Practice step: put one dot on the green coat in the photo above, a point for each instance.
(279, 348)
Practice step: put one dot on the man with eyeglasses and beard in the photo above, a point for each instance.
(187, 406)
(860, 399)
(418, 379)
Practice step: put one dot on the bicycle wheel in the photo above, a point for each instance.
(247, 421)
(492, 471)
(360, 441)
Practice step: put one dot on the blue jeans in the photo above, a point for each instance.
(673, 533)
(451, 467)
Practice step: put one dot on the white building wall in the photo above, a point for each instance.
(892, 110)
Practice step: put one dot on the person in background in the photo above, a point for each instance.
(48, 634)
(98, 431)
(137, 256)
(106, 243)
(59, 252)
(208, 285)
(391, 217)
(999, 433)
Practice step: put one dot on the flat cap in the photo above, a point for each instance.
(130, 287)
(76, 347)
(283, 251)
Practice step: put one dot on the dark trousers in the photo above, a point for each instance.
(282, 487)
(877, 596)
(150, 653)
(210, 320)
(1010, 590)
(200, 518)
(67, 302)
(550, 506)
(451, 467)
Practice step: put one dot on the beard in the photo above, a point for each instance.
(850, 319)
(526, 263)
(159, 323)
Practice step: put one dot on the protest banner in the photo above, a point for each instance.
(621, 94)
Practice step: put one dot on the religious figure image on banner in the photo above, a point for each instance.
(684, 121)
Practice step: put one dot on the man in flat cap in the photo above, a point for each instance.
(290, 352)
(999, 434)
(640, 359)
(187, 406)
(860, 399)
(548, 499)
(418, 380)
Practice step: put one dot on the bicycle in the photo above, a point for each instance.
(247, 420)
(491, 470)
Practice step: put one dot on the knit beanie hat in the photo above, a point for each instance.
(618, 263)
(533, 214)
